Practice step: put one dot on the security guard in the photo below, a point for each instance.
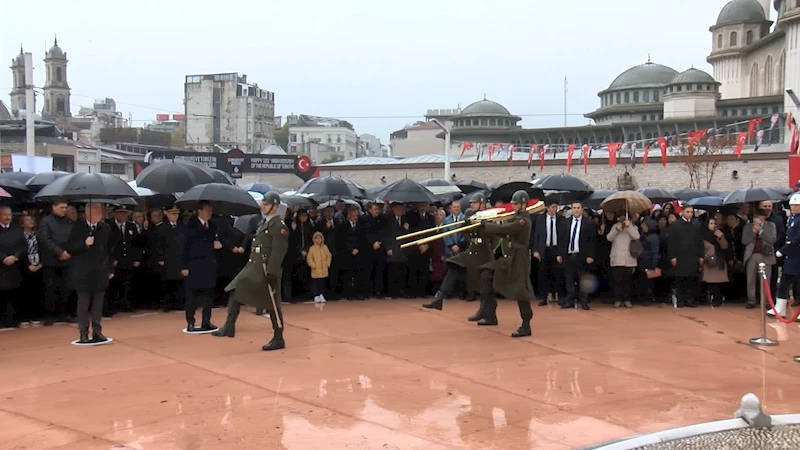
(508, 276)
(790, 252)
(258, 284)
(466, 265)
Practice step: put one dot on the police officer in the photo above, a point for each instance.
(127, 256)
(508, 275)
(466, 265)
(259, 282)
(790, 252)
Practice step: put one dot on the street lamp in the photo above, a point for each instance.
(446, 147)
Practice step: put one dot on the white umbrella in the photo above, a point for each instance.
(257, 196)
(140, 191)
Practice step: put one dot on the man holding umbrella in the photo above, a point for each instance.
(262, 274)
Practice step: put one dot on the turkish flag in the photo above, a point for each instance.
(751, 127)
(741, 138)
(541, 157)
(646, 152)
(612, 153)
(585, 150)
(570, 151)
(464, 147)
(662, 144)
(511, 149)
(530, 154)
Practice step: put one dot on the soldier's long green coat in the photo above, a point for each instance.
(266, 258)
(512, 272)
(474, 256)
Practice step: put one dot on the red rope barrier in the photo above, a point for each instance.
(768, 294)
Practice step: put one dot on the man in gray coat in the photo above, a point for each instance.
(758, 237)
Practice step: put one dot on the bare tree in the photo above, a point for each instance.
(700, 160)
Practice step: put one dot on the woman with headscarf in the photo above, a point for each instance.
(715, 271)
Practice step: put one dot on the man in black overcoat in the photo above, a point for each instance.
(199, 246)
(13, 250)
(170, 262)
(128, 256)
(685, 252)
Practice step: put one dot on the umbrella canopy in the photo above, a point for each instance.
(709, 203)
(787, 191)
(224, 199)
(174, 176)
(298, 201)
(257, 196)
(470, 186)
(332, 203)
(656, 195)
(140, 191)
(502, 191)
(407, 191)
(596, 198)
(40, 180)
(372, 193)
(627, 202)
(222, 177)
(686, 194)
(563, 182)
(110, 201)
(332, 187)
(5, 194)
(753, 195)
(14, 187)
(261, 188)
(86, 185)
(439, 186)
(22, 177)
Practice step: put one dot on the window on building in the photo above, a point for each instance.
(649, 136)
(775, 109)
(484, 122)
(293, 137)
(59, 74)
(734, 39)
(646, 96)
(636, 97)
(652, 117)
(329, 138)
(61, 105)
(749, 37)
(627, 97)
(655, 96)
(719, 41)
(644, 118)
(735, 112)
(492, 122)
(338, 138)
(113, 169)
(618, 98)
(688, 87)
(744, 111)
(764, 110)
(724, 113)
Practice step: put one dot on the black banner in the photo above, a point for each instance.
(235, 162)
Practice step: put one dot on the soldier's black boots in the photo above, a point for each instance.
(523, 331)
(225, 331)
(229, 328)
(437, 303)
(97, 336)
(274, 344)
(478, 314)
(485, 322)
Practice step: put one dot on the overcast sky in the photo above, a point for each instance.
(378, 64)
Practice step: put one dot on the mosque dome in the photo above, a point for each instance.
(741, 11)
(693, 76)
(648, 74)
(485, 108)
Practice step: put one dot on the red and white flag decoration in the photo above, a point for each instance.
(645, 153)
(492, 149)
(511, 149)
(570, 151)
(585, 155)
(612, 153)
(464, 147)
(542, 151)
(741, 138)
(662, 145)
(530, 154)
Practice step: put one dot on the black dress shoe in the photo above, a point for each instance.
(585, 307)
(543, 303)
(98, 337)
(208, 327)
(48, 322)
(190, 328)
(225, 331)
(274, 344)
(750, 305)
(487, 322)
(521, 332)
(436, 304)
(84, 339)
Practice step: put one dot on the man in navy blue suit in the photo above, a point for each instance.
(199, 246)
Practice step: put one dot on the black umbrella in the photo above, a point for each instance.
(564, 183)
(752, 195)
(502, 191)
(129, 201)
(372, 193)
(171, 176)
(470, 186)
(86, 185)
(686, 194)
(298, 201)
(14, 187)
(436, 182)
(224, 199)
(564, 197)
(709, 203)
(594, 199)
(261, 188)
(22, 177)
(332, 187)
(656, 195)
(407, 191)
(222, 177)
(40, 180)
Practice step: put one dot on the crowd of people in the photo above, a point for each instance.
(348, 251)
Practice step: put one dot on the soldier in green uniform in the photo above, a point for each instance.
(258, 284)
(509, 275)
(466, 265)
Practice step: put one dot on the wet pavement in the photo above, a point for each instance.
(390, 375)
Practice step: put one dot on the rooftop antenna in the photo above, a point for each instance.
(648, 58)
(484, 95)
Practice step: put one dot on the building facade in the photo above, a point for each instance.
(56, 89)
(368, 145)
(224, 110)
(337, 134)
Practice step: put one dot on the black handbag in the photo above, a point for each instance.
(636, 249)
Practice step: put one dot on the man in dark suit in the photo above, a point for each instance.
(199, 246)
(396, 259)
(685, 251)
(419, 256)
(127, 256)
(170, 262)
(550, 236)
(92, 266)
(13, 249)
(375, 230)
(351, 242)
(581, 238)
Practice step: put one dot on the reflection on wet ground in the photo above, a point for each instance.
(390, 375)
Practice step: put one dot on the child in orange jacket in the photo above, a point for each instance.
(319, 260)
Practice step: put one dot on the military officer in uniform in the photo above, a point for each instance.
(466, 265)
(790, 252)
(127, 255)
(507, 276)
(258, 284)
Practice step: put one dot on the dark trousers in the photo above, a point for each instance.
(623, 283)
(398, 277)
(119, 291)
(714, 293)
(90, 305)
(8, 315)
(489, 300)
(57, 292)
(574, 272)
(787, 282)
(643, 286)
(376, 269)
(452, 277)
(419, 275)
(31, 304)
(172, 294)
(551, 274)
(199, 298)
(686, 290)
(318, 286)
(353, 279)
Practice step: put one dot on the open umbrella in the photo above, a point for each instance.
(261, 188)
(22, 177)
(86, 185)
(332, 187)
(298, 201)
(563, 182)
(470, 186)
(5, 194)
(129, 201)
(709, 203)
(224, 199)
(174, 176)
(407, 191)
(332, 203)
(752, 195)
(40, 180)
(656, 195)
(627, 202)
(14, 187)
(502, 191)
(687, 194)
(594, 199)
(257, 196)
(222, 177)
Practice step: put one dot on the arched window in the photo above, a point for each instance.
(59, 74)
(60, 105)
(627, 97)
(646, 96)
(769, 76)
(483, 122)
(492, 122)
(754, 80)
(638, 136)
(655, 96)
(719, 41)
(749, 37)
(631, 137)
(636, 97)
(734, 39)
(618, 98)
(649, 136)
(781, 69)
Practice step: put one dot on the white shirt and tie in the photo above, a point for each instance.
(575, 236)
(551, 230)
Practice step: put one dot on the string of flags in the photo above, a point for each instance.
(691, 138)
